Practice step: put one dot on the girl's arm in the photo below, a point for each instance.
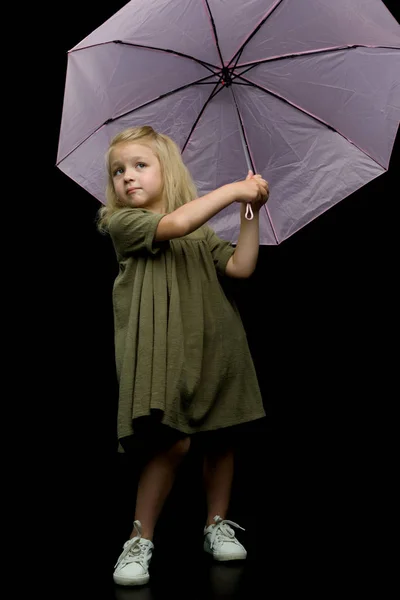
(244, 260)
(194, 214)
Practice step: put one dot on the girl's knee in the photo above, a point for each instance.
(179, 450)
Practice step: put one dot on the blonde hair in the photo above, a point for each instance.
(178, 185)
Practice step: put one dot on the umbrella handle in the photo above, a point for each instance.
(249, 212)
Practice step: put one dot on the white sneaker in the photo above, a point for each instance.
(132, 566)
(220, 541)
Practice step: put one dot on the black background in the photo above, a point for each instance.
(320, 322)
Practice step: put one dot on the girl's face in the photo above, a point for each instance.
(137, 177)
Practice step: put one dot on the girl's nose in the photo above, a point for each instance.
(129, 174)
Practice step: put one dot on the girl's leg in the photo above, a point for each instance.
(155, 483)
(218, 469)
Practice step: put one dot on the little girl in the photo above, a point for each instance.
(182, 358)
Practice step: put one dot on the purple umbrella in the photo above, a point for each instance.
(305, 92)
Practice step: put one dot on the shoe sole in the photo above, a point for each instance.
(131, 582)
(226, 557)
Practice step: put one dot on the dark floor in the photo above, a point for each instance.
(313, 496)
(181, 570)
(179, 566)
(298, 563)
(282, 543)
(181, 575)
(310, 503)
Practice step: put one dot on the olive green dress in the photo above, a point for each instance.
(180, 344)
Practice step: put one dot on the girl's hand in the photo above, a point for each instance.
(254, 190)
(265, 187)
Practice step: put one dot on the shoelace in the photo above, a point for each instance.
(222, 532)
(134, 549)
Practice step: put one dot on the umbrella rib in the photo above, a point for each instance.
(237, 59)
(214, 69)
(198, 82)
(253, 33)
(318, 119)
(214, 32)
(250, 157)
(253, 64)
(212, 95)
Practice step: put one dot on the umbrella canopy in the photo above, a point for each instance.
(305, 92)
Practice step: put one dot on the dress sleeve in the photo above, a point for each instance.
(220, 249)
(132, 230)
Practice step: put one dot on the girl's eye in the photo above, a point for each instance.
(140, 165)
(118, 171)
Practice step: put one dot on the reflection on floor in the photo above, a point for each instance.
(204, 579)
